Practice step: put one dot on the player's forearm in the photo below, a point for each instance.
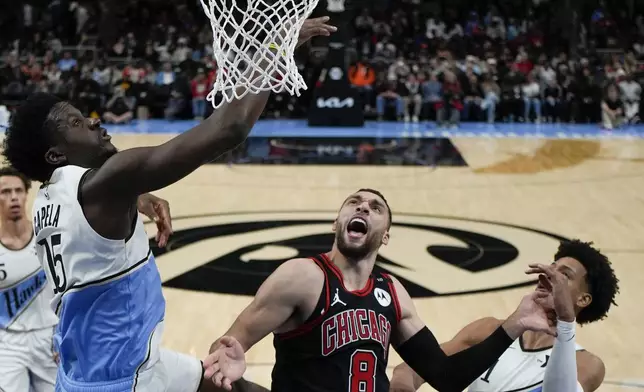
(405, 379)
(561, 371)
(455, 372)
(140, 170)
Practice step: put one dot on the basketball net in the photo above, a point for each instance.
(253, 46)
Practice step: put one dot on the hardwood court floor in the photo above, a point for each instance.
(593, 190)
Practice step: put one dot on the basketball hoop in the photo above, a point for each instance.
(253, 46)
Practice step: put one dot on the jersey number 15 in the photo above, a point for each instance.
(55, 262)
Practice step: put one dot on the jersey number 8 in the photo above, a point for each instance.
(362, 374)
(59, 281)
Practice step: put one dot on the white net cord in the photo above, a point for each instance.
(246, 35)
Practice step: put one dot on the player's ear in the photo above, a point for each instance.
(584, 300)
(385, 238)
(335, 226)
(55, 157)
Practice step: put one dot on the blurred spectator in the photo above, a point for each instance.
(531, 99)
(631, 92)
(119, 109)
(590, 96)
(166, 76)
(390, 97)
(552, 101)
(432, 93)
(199, 92)
(491, 94)
(89, 95)
(472, 96)
(511, 100)
(612, 108)
(67, 63)
(362, 76)
(413, 97)
(496, 53)
(452, 102)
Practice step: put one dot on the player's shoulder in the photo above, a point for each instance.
(590, 361)
(300, 270)
(590, 370)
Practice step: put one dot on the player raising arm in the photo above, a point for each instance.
(92, 242)
(344, 345)
(583, 287)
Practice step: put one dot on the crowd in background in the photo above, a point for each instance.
(409, 61)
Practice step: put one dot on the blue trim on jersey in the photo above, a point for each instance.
(104, 329)
(15, 299)
(537, 389)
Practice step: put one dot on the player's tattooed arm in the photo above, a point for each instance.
(405, 379)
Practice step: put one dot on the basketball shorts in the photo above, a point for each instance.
(27, 359)
(174, 372)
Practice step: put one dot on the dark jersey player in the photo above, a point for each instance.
(334, 319)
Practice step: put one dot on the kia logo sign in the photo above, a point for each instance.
(335, 103)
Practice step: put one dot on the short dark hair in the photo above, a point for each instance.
(10, 171)
(380, 195)
(29, 136)
(600, 277)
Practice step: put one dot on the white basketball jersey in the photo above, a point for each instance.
(517, 370)
(24, 293)
(107, 293)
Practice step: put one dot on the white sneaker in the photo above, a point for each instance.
(407, 118)
(414, 119)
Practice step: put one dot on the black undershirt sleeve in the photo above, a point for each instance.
(455, 372)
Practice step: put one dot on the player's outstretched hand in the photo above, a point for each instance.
(226, 364)
(158, 210)
(555, 283)
(532, 316)
(314, 27)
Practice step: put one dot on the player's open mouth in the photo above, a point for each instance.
(357, 228)
(541, 287)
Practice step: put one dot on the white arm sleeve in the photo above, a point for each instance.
(561, 371)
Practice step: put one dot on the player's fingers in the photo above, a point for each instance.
(547, 269)
(227, 341)
(218, 378)
(541, 294)
(211, 370)
(209, 373)
(163, 211)
(532, 271)
(210, 360)
(319, 20)
(329, 28)
(228, 385)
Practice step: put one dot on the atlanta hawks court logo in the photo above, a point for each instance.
(430, 255)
